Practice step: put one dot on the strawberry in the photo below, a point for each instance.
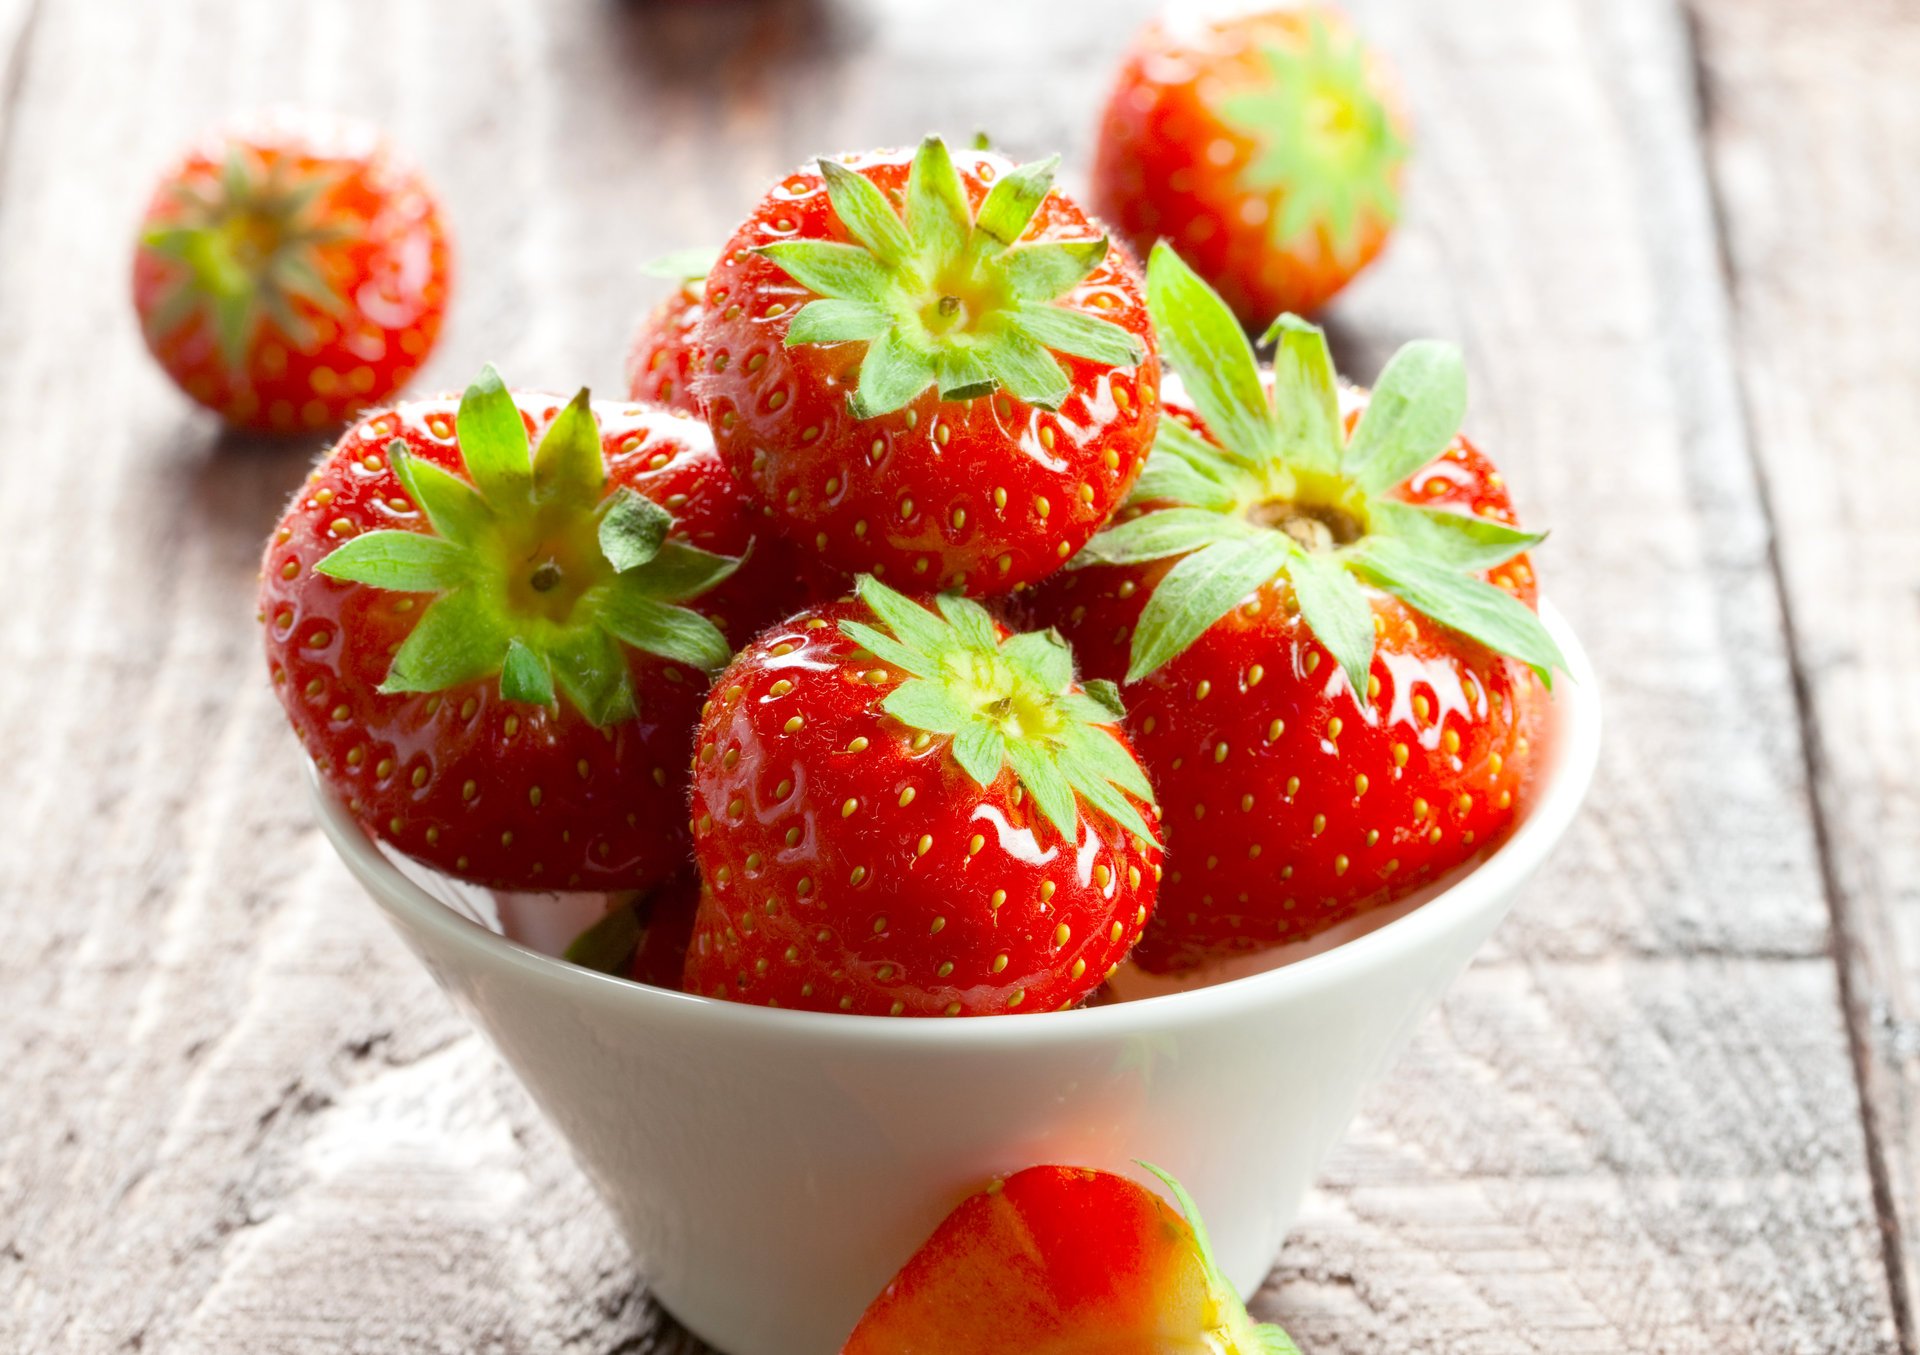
(1325, 629)
(930, 819)
(494, 658)
(1268, 147)
(291, 273)
(954, 393)
(1065, 1261)
(660, 357)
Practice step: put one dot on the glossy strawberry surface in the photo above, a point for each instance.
(291, 272)
(1062, 1261)
(497, 791)
(1267, 147)
(853, 864)
(660, 357)
(982, 493)
(666, 930)
(1290, 805)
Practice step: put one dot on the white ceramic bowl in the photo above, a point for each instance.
(772, 1169)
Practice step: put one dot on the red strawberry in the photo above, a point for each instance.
(660, 358)
(291, 273)
(1325, 634)
(927, 819)
(1065, 1261)
(1267, 147)
(644, 938)
(494, 658)
(941, 374)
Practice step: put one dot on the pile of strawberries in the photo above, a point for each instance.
(911, 641)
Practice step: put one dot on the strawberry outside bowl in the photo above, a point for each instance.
(772, 1169)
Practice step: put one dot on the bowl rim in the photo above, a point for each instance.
(1576, 710)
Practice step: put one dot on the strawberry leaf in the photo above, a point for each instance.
(682, 265)
(926, 705)
(980, 749)
(1337, 613)
(914, 624)
(1043, 779)
(1471, 606)
(608, 944)
(632, 528)
(1004, 703)
(1306, 400)
(1076, 332)
(846, 272)
(680, 572)
(1041, 656)
(835, 320)
(1040, 272)
(1106, 695)
(891, 375)
(1185, 468)
(654, 627)
(938, 218)
(591, 670)
(457, 639)
(493, 441)
(401, 561)
(1208, 348)
(1322, 181)
(940, 298)
(1459, 541)
(919, 662)
(453, 507)
(1171, 531)
(1197, 592)
(568, 466)
(869, 218)
(524, 675)
(1012, 201)
(1412, 416)
(1024, 367)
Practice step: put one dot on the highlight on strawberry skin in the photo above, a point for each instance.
(1065, 1261)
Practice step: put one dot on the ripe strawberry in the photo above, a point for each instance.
(956, 397)
(1065, 1261)
(291, 273)
(929, 819)
(1267, 147)
(494, 659)
(1325, 633)
(660, 358)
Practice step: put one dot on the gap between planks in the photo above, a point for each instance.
(1879, 1136)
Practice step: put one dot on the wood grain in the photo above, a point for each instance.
(1813, 123)
(235, 1115)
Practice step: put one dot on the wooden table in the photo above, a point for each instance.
(1672, 1107)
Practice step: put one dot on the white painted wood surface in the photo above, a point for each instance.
(1680, 249)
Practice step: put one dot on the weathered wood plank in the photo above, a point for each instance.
(1569, 237)
(238, 1118)
(1813, 115)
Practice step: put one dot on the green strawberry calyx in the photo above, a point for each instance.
(538, 574)
(689, 265)
(945, 296)
(1277, 488)
(249, 245)
(1327, 147)
(1005, 703)
(1233, 1329)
